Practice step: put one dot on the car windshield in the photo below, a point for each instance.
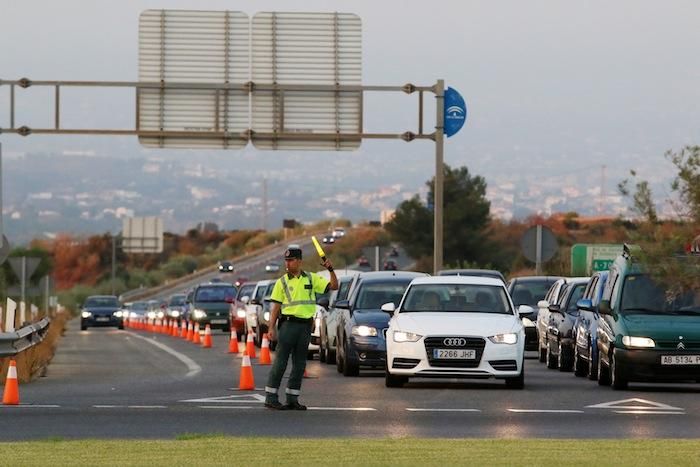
(530, 292)
(102, 301)
(177, 300)
(458, 298)
(139, 306)
(576, 294)
(215, 294)
(641, 294)
(246, 290)
(371, 296)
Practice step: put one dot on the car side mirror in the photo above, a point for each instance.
(525, 310)
(555, 308)
(585, 304)
(323, 301)
(245, 299)
(604, 307)
(389, 308)
(543, 304)
(343, 304)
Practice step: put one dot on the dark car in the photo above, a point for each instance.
(101, 310)
(363, 262)
(225, 266)
(328, 239)
(562, 316)
(362, 324)
(529, 290)
(210, 304)
(390, 265)
(176, 306)
(586, 327)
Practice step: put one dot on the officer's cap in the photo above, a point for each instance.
(290, 253)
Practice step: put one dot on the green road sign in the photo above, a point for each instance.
(587, 258)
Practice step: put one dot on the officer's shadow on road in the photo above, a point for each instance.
(658, 388)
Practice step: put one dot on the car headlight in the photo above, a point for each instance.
(403, 336)
(527, 322)
(175, 313)
(117, 314)
(364, 331)
(160, 315)
(266, 316)
(240, 313)
(85, 314)
(508, 338)
(151, 315)
(640, 342)
(133, 315)
(199, 314)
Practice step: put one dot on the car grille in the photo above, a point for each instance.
(405, 363)
(504, 365)
(673, 345)
(475, 343)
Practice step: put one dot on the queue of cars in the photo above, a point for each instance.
(616, 327)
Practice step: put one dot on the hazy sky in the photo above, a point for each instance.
(570, 84)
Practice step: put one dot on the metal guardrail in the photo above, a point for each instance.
(12, 343)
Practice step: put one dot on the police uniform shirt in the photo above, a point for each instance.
(302, 293)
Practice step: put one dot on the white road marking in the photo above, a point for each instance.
(219, 407)
(410, 409)
(192, 366)
(648, 412)
(544, 411)
(641, 404)
(109, 406)
(242, 399)
(146, 407)
(351, 409)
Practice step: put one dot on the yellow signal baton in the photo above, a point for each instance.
(319, 250)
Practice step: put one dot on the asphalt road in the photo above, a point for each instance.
(106, 383)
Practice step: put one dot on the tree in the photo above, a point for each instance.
(687, 182)
(465, 218)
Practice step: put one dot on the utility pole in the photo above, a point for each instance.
(439, 173)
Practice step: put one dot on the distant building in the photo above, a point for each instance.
(207, 227)
(386, 215)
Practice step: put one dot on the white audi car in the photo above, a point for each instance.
(455, 327)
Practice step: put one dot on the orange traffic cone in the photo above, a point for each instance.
(11, 395)
(176, 329)
(246, 381)
(233, 343)
(265, 351)
(207, 337)
(250, 345)
(196, 339)
(190, 331)
(183, 329)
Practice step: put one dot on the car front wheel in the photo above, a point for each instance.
(349, 369)
(550, 360)
(394, 381)
(603, 373)
(517, 382)
(617, 381)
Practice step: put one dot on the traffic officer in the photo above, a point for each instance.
(295, 295)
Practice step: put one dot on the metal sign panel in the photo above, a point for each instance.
(208, 47)
(11, 309)
(30, 265)
(142, 235)
(307, 49)
(548, 248)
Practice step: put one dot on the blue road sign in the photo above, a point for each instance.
(455, 112)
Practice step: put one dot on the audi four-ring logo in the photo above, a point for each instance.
(455, 341)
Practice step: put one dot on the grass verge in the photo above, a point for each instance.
(219, 450)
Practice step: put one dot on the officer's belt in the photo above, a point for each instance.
(295, 319)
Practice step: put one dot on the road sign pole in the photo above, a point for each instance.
(439, 173)
(23, 280)
(538, 251)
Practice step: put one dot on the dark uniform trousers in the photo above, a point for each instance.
(292, 340)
